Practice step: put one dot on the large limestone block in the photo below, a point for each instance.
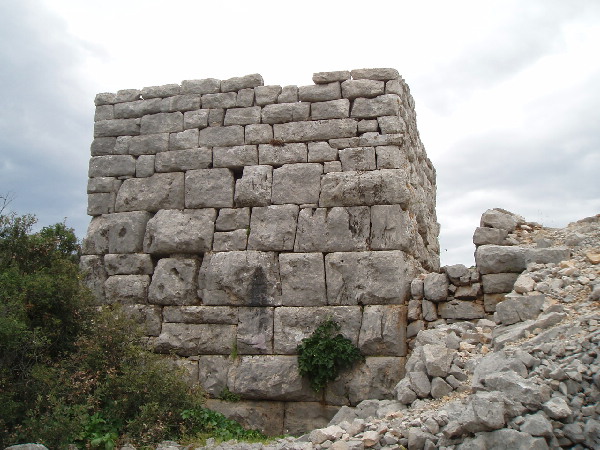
(160, 191)
(285, 112)
(302, 417)
(204, 86)
(500, 259)
(226, 241)
(320, 92)
(103, 146)
(181, 103)
(183, 140)
(336, 229)
(496, 283)
(245, 82)
(391, 124)
(111, 166)
(461, 309)
(255, 331)
(127, 289)
(436, 287)
(195, 119)
(235, 157)
(244, 278)
(222, 136)
(182, 160)
(162, 123)
(392, 229)
(369, 278)
(328, 77)
(209, 188)
(254, 188)
(357, 158)
(128, 264)
(383, 330)
(101, 203)
(117, 127)
(316, 130)
(219, 100)
(377, 187)
(269, 378)
(148, 144)
(94, 275)
(233, 219)
(224, 315)
(547, 255)
(368, 108)
(268, 417)
(273, 228)
(391, 157)
(176, 231)
(126, 231)
(277, 155)
(174, 282)
(362, 88)
(212, 373)
(259, 133)
(302, 279)
(496, 218)
(485, 235)
(266, 94)
(186, 339)
(382, 73)
(292, 324)
(137, 108)
(96, 239)
(333, 109)
(518, 309)
(296, 183)
(321, 152)
(148, 316)
(242, 116)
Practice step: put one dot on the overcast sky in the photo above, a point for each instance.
(507, 92)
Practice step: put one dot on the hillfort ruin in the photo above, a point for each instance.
(231, 218)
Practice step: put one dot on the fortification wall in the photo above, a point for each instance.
(231, 217)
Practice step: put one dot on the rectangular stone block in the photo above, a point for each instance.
(204, 86)
(289, 94)
(160, 191)
(128, 264)
(333, 109)
(181, 103)
(375, 74)
(220, 100)
(285, 112)
(369, 278)
(212, 375)
(195, 119)
(292, 324)
(496, 283)
(162, 123)
(357, 158)
(499, 259)
(127, 289)
(320, 92)
(174, 282)
(209, 188)
(216, 117)
(104, 112)
(227, 241)
(235, 157)
(332, 166)
(245, 82)
(117, 127)
(105, 98)
(393, 229)
(111, 166)
(103, 184)
(315, 130)
(386, 186)
(273, 228)
(224, 315)
(460, 309)
(266, 94)
(255, 331)
(296, 183)
(233, 219)
(329, 77)
(383, 330)
(242, 116)
(303, 417)
(277, 155)
(127, 95)
(245, 98)
(144, 166)
(101, 203)
(269, 377)
(268, 417)
(381, 139)
(149, 144)
(125, 231)
(176, 231)
(147, 316)
(94, 275)
(186, 339)
(166, 90)
(368, 108)
(302, 279)
(183, 160)
(321, 152)
(246, 278)
(362, 88)
(338, 229)
(103, 146)
(183, 140)
(366, 125)
(391, 157)
(391, 124)
(138, 108)
(222, 136)
(260, 133)
(254, 188)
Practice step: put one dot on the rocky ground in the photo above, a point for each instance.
(530, 379)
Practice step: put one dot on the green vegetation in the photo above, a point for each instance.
(229, 396)
(322, 355)
(71, 372)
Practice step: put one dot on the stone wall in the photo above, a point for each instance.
(231, 217)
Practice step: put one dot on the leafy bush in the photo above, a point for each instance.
(322, 355)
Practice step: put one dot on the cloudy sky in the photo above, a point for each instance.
(507, 92)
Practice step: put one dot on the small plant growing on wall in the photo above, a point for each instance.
(322, 355)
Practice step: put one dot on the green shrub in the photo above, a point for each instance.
(322, 355)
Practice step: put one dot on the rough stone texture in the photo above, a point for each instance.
(518, 309)
(128, 264)
(436, 287)
(222, 136)
(209, 188)
(392, 229)
(383, 330)
(160, 191)
(235, 157)
(458, 309)
(233, 219)
(254, 188)
(315, 130)
(175, 231)
(195, 339)
(127, 289)
(296, 183)
(174, 282)
(230, 240)
(357, 158)
(273, 228)
(321, 152)
(384, 105)
(94, 275)
(496, 283)
(268, 417)
(499, 259)
(302, 279)
(183, 160)
(255, 331)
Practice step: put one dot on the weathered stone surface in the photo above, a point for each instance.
(94, 275)
(391, 124)
(285, 112)
(301, 417)
(336, 229)
(321, 151)
(547, 255)
(269, 377)
(222, 136)
(383, 330)
(149, 144)
(278, 155)
(174, 282)
(126, 231)
(392, 229)
(302, 279)
(499, 259)
(333, 109)
(357, 158)
(127, 289)
(417, 288)
(186, 339)
(289, 94)
(491, 300)
(233, 219)
(459, 309)
(436, 287)
(318, 130)
(166, 90)
(235, 157)
(387, 186)
(515, 386)
(219, 100)
(391, 157)
(292, 324)
(505, 439)
(195, 119)
(485, 235)
(524, 284)
(181, 103)
(204, 86)
(496, 283)
(258, 133)
(273, 228)
(503, 220)
(183, 160)
(437, 359)
(224, 315)
(160, 191)
(469, 292)
(117, 127)
(368, 108)
(245, 98)
(175, 231)
(209, 188)
(103, 146)
(320, 92)
(439, 388)
(268, 417)
(266, 94)
(144, 166)
(245, 82)
(230, 240)
(368, 277)
(332, 166)
(362, 88)
(419, 383)
(111, 166)
(105, 98)
(375, 74)
(242, 116)
(161, 123)
(248, 278)
(329, 77)
(212, 373)
(149, 317)
(254, 188)
(255, 331)
(215, 119)
(128, 264)
(296, 183)
(518, 309)
(537, 425)
(183, 140)
(101, 203)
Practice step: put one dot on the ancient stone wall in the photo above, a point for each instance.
(231, 217)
